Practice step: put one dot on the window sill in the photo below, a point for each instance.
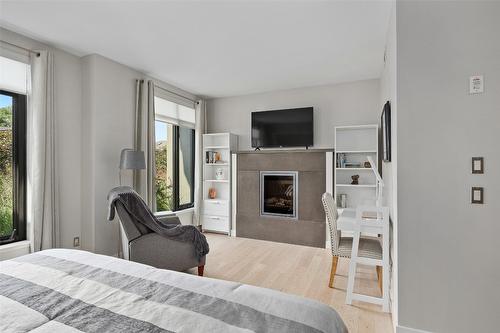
(14, 249)
(13, 245)
(170, 213)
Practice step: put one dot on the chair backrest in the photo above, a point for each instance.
(131, 228)
(331, 216)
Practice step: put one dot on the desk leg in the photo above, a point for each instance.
(352, 267)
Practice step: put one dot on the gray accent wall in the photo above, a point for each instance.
(449, 266)
(309, 228)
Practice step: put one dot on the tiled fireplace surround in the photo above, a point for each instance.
(308, 228)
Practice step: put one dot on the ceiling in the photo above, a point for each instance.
(217, 48)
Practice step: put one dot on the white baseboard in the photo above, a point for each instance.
(404, 329)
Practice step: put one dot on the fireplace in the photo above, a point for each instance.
(278, 193)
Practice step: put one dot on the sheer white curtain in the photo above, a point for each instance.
(43, 189)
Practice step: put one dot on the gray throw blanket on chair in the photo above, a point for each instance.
(137, 208)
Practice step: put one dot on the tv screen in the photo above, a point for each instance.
(283, 128)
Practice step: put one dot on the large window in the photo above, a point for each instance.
(12, 167)
(174, 155)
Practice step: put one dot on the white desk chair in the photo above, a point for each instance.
(369, 247)
(378, 225)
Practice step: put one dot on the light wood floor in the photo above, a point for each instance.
(298, 270)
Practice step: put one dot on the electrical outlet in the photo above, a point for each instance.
(76, 242)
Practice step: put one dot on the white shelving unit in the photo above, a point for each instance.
(216, 213)
(355, 143)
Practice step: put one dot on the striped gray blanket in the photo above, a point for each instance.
(63, 290)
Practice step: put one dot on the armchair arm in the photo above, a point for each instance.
(169, 219)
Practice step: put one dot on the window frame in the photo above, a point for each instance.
(19, 170)
(176, 172)
(177, 205)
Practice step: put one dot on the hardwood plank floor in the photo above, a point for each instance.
(298, 270)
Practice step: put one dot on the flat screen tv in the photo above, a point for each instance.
(283, 128)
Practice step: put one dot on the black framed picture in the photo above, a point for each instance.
(386, 132)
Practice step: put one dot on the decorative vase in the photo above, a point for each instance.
(355, 180)
(212, 193)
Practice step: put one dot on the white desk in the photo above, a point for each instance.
(349, 220)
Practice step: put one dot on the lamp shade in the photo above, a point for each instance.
(132, 160)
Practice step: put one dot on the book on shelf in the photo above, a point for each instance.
(212, 157)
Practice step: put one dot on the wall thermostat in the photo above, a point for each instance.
(476, 84)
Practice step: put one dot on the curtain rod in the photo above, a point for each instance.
(22, 48)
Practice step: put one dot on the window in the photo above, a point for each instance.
(174, 155)
(12, 167)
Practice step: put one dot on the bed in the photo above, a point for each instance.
(77, 291)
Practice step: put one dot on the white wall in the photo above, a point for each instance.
(388, 90)
(68, 106)
(108, 127)
(109, 97)
(449, 268)
(352, 103)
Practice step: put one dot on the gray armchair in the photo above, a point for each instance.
(141, 245)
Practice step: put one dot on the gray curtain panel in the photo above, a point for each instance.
(144, 139)
(138, 130)
(43, 191)
(150, 152)
(199, 130)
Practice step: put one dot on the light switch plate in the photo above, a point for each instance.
(476, 84)
(477, 165)
(477, 195)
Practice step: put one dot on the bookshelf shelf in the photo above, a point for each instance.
(354, 144)
(356, 151)
(359, 185)
(354, 169)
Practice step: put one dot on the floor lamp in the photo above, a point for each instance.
(131, 160)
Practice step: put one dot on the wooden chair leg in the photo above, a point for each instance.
(379, 277)
(335, 260)
(200, 270)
